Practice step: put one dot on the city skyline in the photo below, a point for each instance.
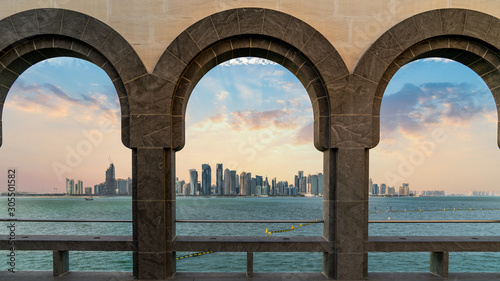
(254, 115)
(231, 183)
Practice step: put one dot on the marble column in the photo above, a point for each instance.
(154, 212)
(345, 211)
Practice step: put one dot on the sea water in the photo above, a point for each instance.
(256, 208)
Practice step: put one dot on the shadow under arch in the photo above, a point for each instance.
(251, 32)
(469, 37)
(35, 35)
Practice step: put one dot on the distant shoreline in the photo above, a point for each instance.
(62, 196)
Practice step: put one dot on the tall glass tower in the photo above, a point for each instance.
(193, 175)
(110, 184)
(206, 178)
(219, 180)
(227, 182)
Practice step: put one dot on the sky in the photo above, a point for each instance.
(61, 120)
(438, 126)
(438, 130)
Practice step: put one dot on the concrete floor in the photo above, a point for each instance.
(185, 276)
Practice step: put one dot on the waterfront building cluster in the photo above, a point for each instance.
(111, 186)
(230, 183)
(431, 193)
(384, 190)
(484, 193)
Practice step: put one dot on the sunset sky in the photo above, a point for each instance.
(253, 116)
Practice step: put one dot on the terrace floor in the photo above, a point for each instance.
(186, 276)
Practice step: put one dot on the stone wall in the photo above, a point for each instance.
(151, 25)
(343, 52)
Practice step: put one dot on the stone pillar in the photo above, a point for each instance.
(154, 212)
(329, 211)
(439, 264)
(60, 262)
(345, 211)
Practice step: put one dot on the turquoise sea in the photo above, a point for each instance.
(256, 208)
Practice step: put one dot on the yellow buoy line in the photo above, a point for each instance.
(438, 210)
(286, 230)
(268, 232)
(193, 255)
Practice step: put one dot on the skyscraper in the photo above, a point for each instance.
(383, 188)
(70, 186)
(314, 185)
(179, 187)
(303, 185)
(122, 186)
(266, 187)
(227, 182)
(206, 178)
(97, 189)
(129, 186)
(193, 175)
(219, 180)
(404, 190)
(248, 184)
(233, 180)
(110, 183)
(253, 187)
(79, 187)
(273, 187)
(242, 183)
(259, 183)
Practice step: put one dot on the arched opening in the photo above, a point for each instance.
(249, 120)
(61, 122)
(236, 33)
(438, 138)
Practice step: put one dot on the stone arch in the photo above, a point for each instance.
(35, 35)
(254, 32)
(469, 37)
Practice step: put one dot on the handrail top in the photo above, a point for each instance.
(250, 221)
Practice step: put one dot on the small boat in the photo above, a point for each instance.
(89, 198)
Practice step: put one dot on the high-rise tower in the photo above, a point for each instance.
(206, 179)
(193, 176)
(227, 182)
(233, 180)
(110, 183)
(248, 184)
(219, 180)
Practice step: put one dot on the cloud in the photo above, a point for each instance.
(255, 120)
(53, 101)
(218, 118)
(442, 60)
(414, 108)
(222, 95)
(305, 134)
(247, 61)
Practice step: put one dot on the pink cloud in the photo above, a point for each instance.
(255, 120)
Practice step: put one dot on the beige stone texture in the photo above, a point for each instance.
(351, 26)
(136, 8)
(95, 8)
(137, 32)
(405, 9)
(485, 6)
(185, 8)
(232, 4)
